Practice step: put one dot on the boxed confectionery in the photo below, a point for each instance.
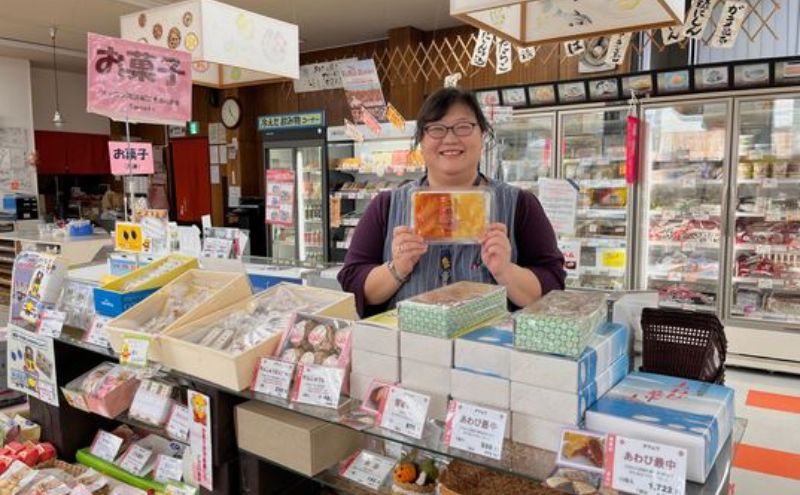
(315, 339)
(379, 333)
(452, 216)
(694, 415)
(376, 365)
(452, 309)
(316, 445)
(108, 390)
(571, 375)
(417, 374)
(437, 407)
(425, 349)
(561, 322)
(192, 295)
(489, 390)
(224, 347)
(536, 432)
(567, 407)
(488, 349)
(114, 298)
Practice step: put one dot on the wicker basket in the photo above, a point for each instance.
(443, 490)
(683, 344)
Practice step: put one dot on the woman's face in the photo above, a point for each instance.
(453, 155)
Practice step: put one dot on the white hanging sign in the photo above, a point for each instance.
(617, 48)
(574, 47)
(504, 61)
(730, 24)
(451, 81)
(526, 53)
(480, 55)
(673, 34)
(698, 18)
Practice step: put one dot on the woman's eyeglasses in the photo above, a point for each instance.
(439, 131)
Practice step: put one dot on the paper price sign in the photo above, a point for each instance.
(646, 468)
(52, 323)
(368, 469)
(178, 423)
(105, 446)
(475, 429)
(135, 460)
(97, 334)
(168, 469)
(318, 385)
(273, 377)
(405, 412)
(134, 351)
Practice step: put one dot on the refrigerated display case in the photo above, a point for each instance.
(592, 156)
(683, 192)
(525, 148)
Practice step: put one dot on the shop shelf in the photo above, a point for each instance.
(355, 195)
(705, 308)
(609, 241)
(685, 245)
(768, 283)
(700, 213)
(687, 183)
(767, 183)
(689, 278)
(767, 248)
(602, 183)
(612, 213)
(601, 272)
(766, 316)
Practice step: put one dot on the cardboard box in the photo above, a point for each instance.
(316, 445)
(565, 407)
(425, 349)
(417, 374)
(437, 407)
(235, 371)
(570, 375)
(490, 391)
(536, 432)
(376, 365)
(694, 415)
(233, 287)
(487, 350)
(378, 334)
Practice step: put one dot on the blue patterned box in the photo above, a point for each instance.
(694, 415)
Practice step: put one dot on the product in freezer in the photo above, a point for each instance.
(451, 216)
(682, 294)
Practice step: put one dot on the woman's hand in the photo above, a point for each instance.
(496, 251)
(407, 249)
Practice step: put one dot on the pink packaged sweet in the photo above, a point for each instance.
(316, 340)
(107, 390)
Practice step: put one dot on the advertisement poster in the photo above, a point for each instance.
(32, 365)
(280, 197)
(559, 199)
(362, 87)
(200, 438)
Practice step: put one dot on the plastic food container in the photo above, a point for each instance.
(451, 216)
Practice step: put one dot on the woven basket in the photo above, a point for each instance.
(684, 344)
(443, 490)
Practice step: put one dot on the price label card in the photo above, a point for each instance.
(763, 249)
(135, 460)
(97, 334)
(105, 446)
(368, 469)
(475, 429)
(635, 466)
(405, 412)
(134, 350)
(51, 323)
(769, 183)
(318, 385)
(273, 377)
(765, 283)
(168, 469)
(674, 276)
(178, 423)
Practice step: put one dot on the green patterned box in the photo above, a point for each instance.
(562, 322)
(449, 310)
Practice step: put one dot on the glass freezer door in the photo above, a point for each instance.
(684, 185)
(309, 205)
(525, 146)
(282, 239)
(765, 260)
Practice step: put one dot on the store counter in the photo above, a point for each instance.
(76, 250)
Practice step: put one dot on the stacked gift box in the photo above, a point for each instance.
(376, 352)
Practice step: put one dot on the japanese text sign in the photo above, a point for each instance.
(405, 412)
(368, 469)
(291, 120)
(138, 82)
(729, 24)
(475, 429)
(130, 158)
(646, 468)
(273, 377)
(318, 385)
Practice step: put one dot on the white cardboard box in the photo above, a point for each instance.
(437, 408)
(359, 384)
(378, 334)
(431, 350)
(424, 376)
(376, 365)
(491, 391)
(487, 350)
(536, 432)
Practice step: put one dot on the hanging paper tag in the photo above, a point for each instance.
(635, 466)
(318, 385)
(134, 350)
(480, 54)
(200, 438)
(168, 469)
(504, 61)
(526, 53)
(273, 377)
(574, 47)
(395, 117)
(698, 18)
(351, 131)
(51, 323)
(617, 48)
(451, 81)
(405, 412)
(135, 460)
(368, 469)
(97, 334)
(178, 423)
(105, 446)
(475, 429)
(729, 24)
(673, 34)
(632, 150)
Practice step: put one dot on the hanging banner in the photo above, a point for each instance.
(698, 18)
(617, 48)
(369, 120)
(632, 150)
(504, 61)
(730, 24)
(280, 197)
(138, 82)
(200, 439)
(526, 54)
(31, 365)
(574, 47)
(673, 34)
(480, 54)
(395, 117)
(130, 158)
(362, 88)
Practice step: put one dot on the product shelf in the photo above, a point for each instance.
(689, 278)
(768, 283)
(768, 248)
(684, 245)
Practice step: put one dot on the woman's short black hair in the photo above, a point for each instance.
(438, 104)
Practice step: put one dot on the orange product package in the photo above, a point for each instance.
(451, 216)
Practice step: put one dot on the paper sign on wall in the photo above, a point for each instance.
(526, 54)
(31, 365)
(729, 24)
(559, 200)
(131, 158)
(672, 34)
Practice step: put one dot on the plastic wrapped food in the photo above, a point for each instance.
(147, 276)
(317, 340)
(108, 390)
(561, 322)
(183, 297)
(447, 311)
(455, 216)
(152, 403)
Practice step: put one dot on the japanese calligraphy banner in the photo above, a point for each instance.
(526, 53)
(130, 158)
(672, 34)
(503, 59)
(617, 48)
(480, 54)
(730, 24)
(575, 47)
(138, 82)
(698, 18)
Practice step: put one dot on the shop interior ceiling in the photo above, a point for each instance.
(24, 24)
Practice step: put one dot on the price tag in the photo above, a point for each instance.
(674, 276)
(273, 377)
(51, 323)
(168, 469)
(134, 350)
(765, 283)
(405, 412)
(635, 466)
(180, 489)
(763, 249)
(178, 423)
(135, 460)
(769, 183)
(318, 385)
(97, 334)
(475, 429)
(106, 446)
(368, 469)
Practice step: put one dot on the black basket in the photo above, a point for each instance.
(683, 344)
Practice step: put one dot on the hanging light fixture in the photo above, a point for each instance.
(58, 120)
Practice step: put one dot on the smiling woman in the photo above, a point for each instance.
(388, 261)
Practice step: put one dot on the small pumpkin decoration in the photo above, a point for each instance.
(405, 472)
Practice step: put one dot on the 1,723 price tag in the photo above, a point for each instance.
(273, 377)
(644, 468)
(318, 385)
(368, 469)
(405, 412)
(476, 429)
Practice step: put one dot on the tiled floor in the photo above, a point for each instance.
(768, 459)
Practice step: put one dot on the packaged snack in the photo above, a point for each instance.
(152, 403)
(326, 341)
(107, 390)
(77, 302)
(451, 216)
